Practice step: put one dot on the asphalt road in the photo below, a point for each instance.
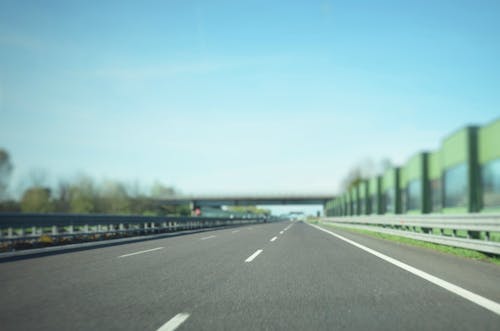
(259, 277)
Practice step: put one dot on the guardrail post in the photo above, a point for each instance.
(54, 230)
(71, 229)
(20, 233)
(10, 232)
(145, 226)
(487, 235)
(121, 227)
(473, 234)
(33, 231)
(86, 228)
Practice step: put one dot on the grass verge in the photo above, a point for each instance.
(463, 252)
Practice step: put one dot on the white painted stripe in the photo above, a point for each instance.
(466, 294)
(209, 237)
(253, 256)
(236, 231)
(174, 322)
(273, 239)
(140, 252)
(281, 232)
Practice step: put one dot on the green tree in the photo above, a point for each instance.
(63, 196)
(160, 191)
(250, 209)
(10, 206)
(5, 172)
(37, 200)
(82, 196)
(114, 198)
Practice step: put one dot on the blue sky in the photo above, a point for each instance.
(239, 96)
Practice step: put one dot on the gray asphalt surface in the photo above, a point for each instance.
(304, 280)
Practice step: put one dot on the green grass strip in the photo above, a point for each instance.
(458, 251)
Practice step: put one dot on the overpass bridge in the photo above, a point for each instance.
(198, 201)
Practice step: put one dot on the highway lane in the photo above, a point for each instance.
(302, 278)
(98, 289)
(478, 276)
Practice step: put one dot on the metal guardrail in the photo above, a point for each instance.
(477, 228)
(16, 227)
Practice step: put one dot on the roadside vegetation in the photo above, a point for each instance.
(83, 195)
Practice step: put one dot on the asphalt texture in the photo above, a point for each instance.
(303, 280)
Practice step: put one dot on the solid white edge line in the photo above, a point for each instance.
(174, 322)
(209, 237)
(140, 252)
(273, 239)
(466, 294)
(253, 256)
(235, 231)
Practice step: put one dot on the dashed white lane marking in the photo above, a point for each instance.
(209, 237)
(273, 239)
(140, 252)
(174, 322)
(253, 256)
(281, 232)
(235, 231)
(466, 294)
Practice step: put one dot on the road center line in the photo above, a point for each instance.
(466, 294)
(273, 239)
(140, 252)
(253, 256)
(174, 322)
(209, 237)
(281, 232)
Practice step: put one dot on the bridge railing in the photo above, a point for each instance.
(33, 228)
(479, 232)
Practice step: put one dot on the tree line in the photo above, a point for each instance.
(83, 195)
